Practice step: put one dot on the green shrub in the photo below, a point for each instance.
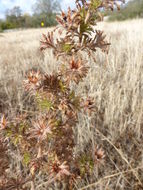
(7, 25)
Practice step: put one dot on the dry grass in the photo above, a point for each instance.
(116, 83)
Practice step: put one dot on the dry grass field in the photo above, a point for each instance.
(115, 81)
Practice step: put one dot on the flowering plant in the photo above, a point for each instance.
(47, 141)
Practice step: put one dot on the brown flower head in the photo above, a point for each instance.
(69, 20)
(89, 105)
(59, 170)
(51, 83)
(34, 80)
(42, 127)
(99, 155)
(76, 71)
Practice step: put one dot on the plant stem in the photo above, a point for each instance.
(32, 185)
(39, 151)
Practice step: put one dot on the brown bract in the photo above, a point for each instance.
(89, 105)
(99, 155)
(76, 72)
(59, 170)
(33, 80)
(41, 128)
(51, 83)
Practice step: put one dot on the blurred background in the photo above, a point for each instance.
(30, 13)
(16, 14)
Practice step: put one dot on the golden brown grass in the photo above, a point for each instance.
(116, 83)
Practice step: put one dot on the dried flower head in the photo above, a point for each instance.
(69, 20)
(76, 71)
(41, 128)
(59, 170)
(99, 155)
(89, 105)
(33, 80)
(51, 83)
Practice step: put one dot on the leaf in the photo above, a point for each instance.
(9, 132)
(67, 48)
(95, 4)
(16, 139)
(26, 158)
(84, 163)
(72, 95)
(83, 27)
(44, 103)
(83, 12)
(22, 127)
(62, 86)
